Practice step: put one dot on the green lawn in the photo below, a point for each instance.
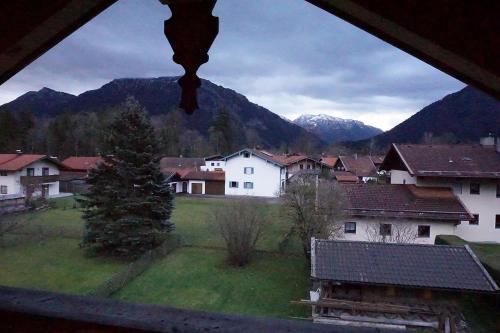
(53, 264)
(44, 254)
(197, 278)
(193, 216)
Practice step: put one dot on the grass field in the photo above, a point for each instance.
(196, 278)
(44, 254)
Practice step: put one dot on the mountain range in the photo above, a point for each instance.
(332, 129)
(460, 117)
(463, 116)
(160, 96)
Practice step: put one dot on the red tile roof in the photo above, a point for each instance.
(330, 160)
(82, 163)
(471, 161)
(404, 201)
(15, 162)
(205, 175)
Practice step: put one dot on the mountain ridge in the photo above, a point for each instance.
(333, 129)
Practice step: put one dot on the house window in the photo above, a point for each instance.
(45, 171)
(246, 155)
(350, 227)
(248, 170)
(248, 185)
(3, 173)
(475, 221)
(30, 171)
(218, 164)
(385, 229)
(3, 189)
(233, 184)
(498, 190)
(424, 231)
(457, 188)
(497, 221)
(308, 167)
(475, 188)
(212, 164)
(301, 166)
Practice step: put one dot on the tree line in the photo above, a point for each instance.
(85, 133)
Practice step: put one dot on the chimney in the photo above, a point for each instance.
(487, 141)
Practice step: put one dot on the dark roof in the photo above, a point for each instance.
(15, 162)
(361, 166)
(471, 161)
(404, 201)
(214, 158)
(81, 163)
(181, 162)
(205, 175)
(408, 265)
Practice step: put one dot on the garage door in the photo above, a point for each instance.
(196, 188)
(214, 187)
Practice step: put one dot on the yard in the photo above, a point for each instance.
(45, 254)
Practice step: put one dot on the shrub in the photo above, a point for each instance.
(241, 225)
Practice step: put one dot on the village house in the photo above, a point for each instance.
(471, 171)
(193, 175)
(400, 213)
(360, 166)
(74, 178)
(23, 176)
(260, 173)
(329, 161)
(394, 285)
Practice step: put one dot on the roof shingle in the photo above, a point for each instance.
(408, 265)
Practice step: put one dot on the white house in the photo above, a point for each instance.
(471, 171)
(254, 173)
(400, 213)
(26, 175)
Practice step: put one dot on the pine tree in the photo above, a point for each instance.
(128, 206)
(221, 132)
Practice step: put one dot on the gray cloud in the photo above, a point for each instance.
(286, 55)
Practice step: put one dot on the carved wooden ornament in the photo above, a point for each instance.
(191, 30)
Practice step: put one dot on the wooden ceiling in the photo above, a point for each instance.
(461, 38)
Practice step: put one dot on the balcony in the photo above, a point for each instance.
(38, 180)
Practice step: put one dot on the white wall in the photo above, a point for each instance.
(216, 165)
(486, 204)
(13, 180)
(363, 225)
(402, 177)
(266, 177)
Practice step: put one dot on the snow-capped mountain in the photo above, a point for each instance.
(333, 129)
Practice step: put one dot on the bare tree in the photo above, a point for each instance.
(241, 225)
(315, 206)
(399, 232)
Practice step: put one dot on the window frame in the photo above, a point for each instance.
(45, 169)
(427, 235)
(249, 168)
(245, 185)
(4, 189)
(478, 189)
(234, 182)
(385, 225)
(28, 172)
(350, 231)
(497, 221)
(3, 174)
(457, 187)
(498, 190)
(246, 155)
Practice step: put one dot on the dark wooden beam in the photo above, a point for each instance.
(30, 28)
(458, 37)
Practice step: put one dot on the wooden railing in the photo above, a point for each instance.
(37, 180)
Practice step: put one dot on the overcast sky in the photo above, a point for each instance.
(286, 55)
